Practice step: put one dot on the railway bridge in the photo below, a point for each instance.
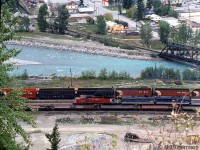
(181, 53)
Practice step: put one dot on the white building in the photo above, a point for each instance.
(172, 2)
(173, 22)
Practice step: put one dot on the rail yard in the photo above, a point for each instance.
(144, 98)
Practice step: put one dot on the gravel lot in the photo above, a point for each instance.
(75, 131)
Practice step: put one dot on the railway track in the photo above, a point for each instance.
(67, 105)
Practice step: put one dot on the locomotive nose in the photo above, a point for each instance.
(112, 100)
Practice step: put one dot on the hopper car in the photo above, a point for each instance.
(117, 96)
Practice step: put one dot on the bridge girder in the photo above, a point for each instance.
(181, 52)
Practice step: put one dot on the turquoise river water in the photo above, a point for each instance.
(41, 61)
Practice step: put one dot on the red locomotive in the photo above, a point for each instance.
(88, 99)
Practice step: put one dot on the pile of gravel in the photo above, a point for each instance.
(93, 140)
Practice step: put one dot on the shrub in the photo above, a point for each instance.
(108, 16)
(90, 20)
(91, 74)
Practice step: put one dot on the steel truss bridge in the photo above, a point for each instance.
(182, 53)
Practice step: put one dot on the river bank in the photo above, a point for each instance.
(89, 47)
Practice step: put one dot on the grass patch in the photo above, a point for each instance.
(36, 131)
(156, 44)
(113, 8)
(65, 82)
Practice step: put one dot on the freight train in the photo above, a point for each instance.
(117, 96)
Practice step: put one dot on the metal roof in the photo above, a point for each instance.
(86, 9)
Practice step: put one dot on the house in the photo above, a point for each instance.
(79, 18)
(105, 2)
(72, 6)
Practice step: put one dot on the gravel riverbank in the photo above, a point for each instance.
(89, 47)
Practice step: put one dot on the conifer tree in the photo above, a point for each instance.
(101, 25)
(149, 4)
(54, 138)
(140, 9)
(41, 18)
(62, 19)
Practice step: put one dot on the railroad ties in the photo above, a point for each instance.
(181, 53)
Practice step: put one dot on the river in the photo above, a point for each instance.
(42, 61)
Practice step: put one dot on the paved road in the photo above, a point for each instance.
(100, 10)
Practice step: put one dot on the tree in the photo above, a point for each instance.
(24, 75)
(41, 18)
(81, 3)
(103, 74)
(127, 4)
(163, 31)
(53, 25)
(173, 13)
(149, 4)
(26, 23)
(101, 25)
(140, 10)
(184, 34)
(12, 5)
(161, 9)
(110, 2)
(119, 8)
(196, 37)
(146, 34)
(54, 138)
(13, 106)
(62, 20)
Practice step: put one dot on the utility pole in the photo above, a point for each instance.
(188, 8)
(71, 76)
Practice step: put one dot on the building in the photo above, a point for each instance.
(173, 22)
(79, 18)
(173, 2)
(72, 6)
(88, 10)
(33, 1)
(154, 17)
(105, 2)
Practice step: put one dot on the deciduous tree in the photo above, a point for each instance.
(13, 106)
(26, 23)
(163, 31)
(146, 34)
(184, 34)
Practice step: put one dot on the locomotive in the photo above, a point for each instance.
(115, 96)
